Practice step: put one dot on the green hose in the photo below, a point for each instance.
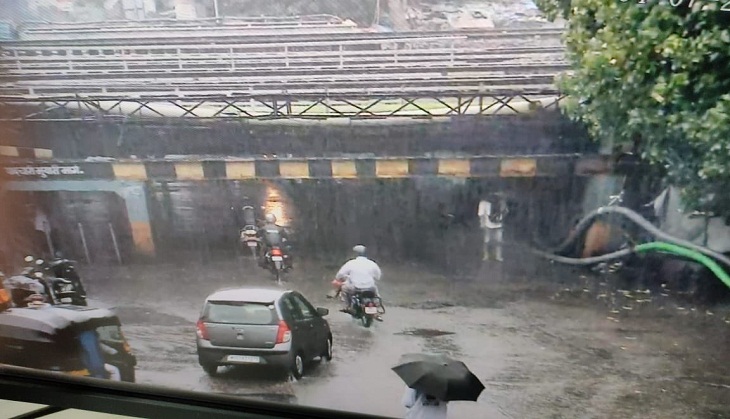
(688, 253)
(643, 248)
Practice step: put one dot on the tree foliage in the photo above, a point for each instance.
(657, 77)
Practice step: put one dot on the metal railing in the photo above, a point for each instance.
(226, 35)
(188, 61)
(48, 31)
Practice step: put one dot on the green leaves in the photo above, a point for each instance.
(657, 75)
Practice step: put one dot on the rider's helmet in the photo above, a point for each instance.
(271, 218)
(359, 250)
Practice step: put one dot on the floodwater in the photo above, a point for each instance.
(541, 349)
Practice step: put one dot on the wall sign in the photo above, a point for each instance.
(44, 171)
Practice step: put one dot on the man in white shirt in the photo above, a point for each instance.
(491, 215)
(422, 406)
(358, 274)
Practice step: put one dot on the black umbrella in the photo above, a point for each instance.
(439, 376)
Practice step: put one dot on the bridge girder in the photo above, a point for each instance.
(416, 105)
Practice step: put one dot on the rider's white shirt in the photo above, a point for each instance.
(360, 272)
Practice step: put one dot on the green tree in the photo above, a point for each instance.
(657, 77)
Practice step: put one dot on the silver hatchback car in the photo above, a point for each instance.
(258, 326)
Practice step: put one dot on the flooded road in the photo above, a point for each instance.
(537, 356)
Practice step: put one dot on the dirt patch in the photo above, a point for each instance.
(131, 315)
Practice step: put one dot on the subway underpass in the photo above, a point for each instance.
(541, 338)
(146, 193)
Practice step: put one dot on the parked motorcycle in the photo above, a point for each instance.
(66, 269)
(248, 235)
(365, 306)
(249, 238)
(56, 290)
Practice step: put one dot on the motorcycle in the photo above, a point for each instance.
(365, 306)
(65, 269)
(276, 262)
(249, 233)
(57, 290)
(249, 238)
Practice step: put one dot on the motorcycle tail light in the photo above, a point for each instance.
(276, 252)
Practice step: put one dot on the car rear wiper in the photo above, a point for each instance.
(39, 413)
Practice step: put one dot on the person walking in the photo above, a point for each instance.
(491, 214)
(422, 406)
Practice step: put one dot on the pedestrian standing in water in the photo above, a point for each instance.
(423, 406)
(491, 212)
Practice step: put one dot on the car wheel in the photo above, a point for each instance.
(210, 369)
(297, 365)
(327, 354)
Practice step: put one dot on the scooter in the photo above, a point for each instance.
(249, 233)
(249, 238)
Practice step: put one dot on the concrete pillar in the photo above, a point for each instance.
(139, 218)
(185, 9)
(397, 13)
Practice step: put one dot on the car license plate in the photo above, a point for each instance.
(371, 310)
(66, 300)
(251, 244)
(277, 258)
(244, 359)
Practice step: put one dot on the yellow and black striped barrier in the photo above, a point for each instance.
(310, 168)
(25, 152)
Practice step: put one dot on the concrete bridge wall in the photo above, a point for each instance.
(426, 218)
(535, 133)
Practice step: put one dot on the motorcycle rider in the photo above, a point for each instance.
(272, 234)
(358, 274)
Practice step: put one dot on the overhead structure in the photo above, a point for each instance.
(417, 104)
(351, 75)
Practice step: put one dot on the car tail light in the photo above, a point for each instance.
(283, 335)
(202, 330)
(276, 252)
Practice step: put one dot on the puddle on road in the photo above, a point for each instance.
(131, 315)
(427, 305)
(426, 333)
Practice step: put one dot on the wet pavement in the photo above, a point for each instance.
(539, 354)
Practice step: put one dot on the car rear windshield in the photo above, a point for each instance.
(240, 312)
